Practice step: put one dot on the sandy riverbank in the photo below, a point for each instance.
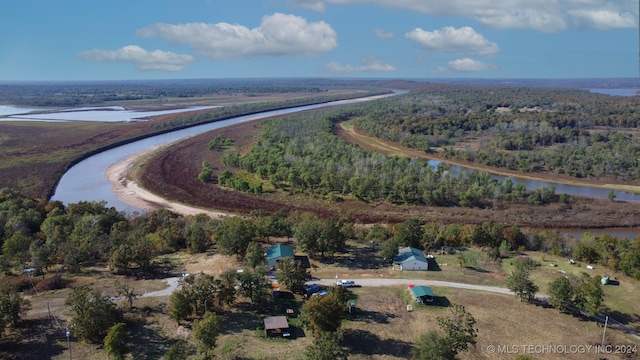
(130, 192)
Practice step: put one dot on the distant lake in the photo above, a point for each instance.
(10, 110)
(615, 92)
(103, 114)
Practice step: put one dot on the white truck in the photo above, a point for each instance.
(346, 283)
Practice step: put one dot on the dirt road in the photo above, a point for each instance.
(395, 282)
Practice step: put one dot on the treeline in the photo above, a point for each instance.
(68, 94)
(616, 254)
(300, 153)
(528, 129)
(254, 107)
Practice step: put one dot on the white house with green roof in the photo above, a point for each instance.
(278, 252)
(409, 258)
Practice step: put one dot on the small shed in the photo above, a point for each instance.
(278, 252)
(276, 326)
(409, 258)
(423, 294)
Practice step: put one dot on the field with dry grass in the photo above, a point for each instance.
(34, 155)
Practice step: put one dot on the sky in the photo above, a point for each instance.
(83, 40)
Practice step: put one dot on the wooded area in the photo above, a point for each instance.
(565, 131)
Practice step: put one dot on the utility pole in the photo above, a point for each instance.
(604, 332)
(69, 341)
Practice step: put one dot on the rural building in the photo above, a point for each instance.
(276, 326)
(422, 294)
(278, 252)
(409, 258)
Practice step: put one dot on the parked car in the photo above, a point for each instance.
(346, 283)
(320, 293)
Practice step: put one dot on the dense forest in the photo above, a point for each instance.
(300, 153)
(565, 131)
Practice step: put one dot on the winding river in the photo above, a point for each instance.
(86, 181)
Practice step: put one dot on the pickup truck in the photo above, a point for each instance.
(346, 283)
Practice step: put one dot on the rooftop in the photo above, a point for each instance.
(279, 251)
(408, 254)
(420, 291)
(276, 322)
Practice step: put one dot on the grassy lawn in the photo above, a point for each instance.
(361, 259)
(621, 300)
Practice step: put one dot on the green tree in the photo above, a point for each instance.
(206, 173)
(234, 235)
(324, 313)
(591, 295)
(326, 346)
(432, 346)
(226, 283)
(92, 314)
(201, 290)
(255, 255)
(520, 283)
(206, 332)
(409, 233)
(459, 329)
(389, 250)
(12, 307)
(115, 343)
(179, 306)
(254, 284)
(178, 351)
(561, 294)
(292, 274)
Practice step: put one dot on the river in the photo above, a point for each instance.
(86, 180)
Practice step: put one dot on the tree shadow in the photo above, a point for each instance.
(34, 339)
(371, 316)
(366, 343)
(622, 318)
(245, 317)
(149, 343)
(360, 258)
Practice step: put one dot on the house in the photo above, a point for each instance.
(278, 252)
(409, 258)
(276, 326)
(422, 294)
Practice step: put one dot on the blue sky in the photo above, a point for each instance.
(162, 39)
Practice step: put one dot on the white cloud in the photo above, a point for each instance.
(316, 5)
(383, 34)
(371, 64)
(277, 35)
(464, 40)
(540, 15)
(141, 58)
(465, 65)
(603, 19)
